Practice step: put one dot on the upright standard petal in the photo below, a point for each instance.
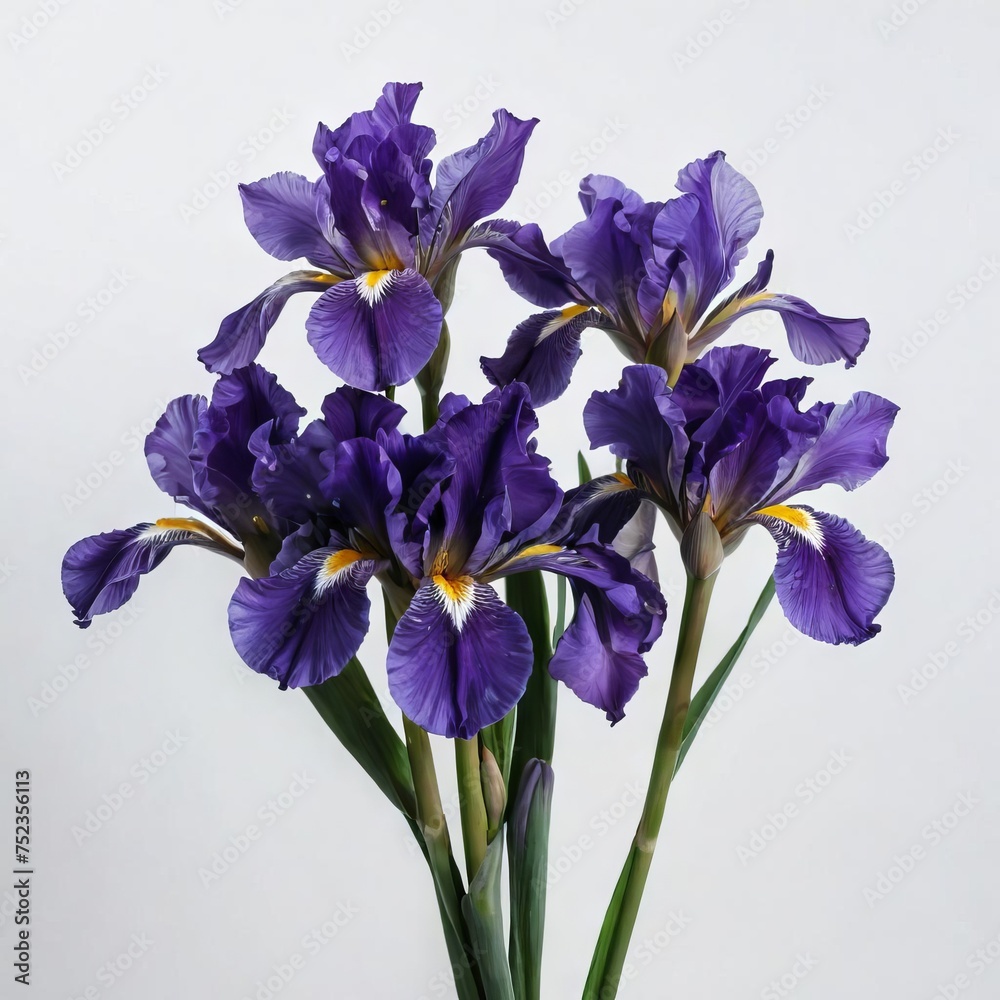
(303, 625)
(170, 450)
(281, 214)
(459, 659)
(728, 218)
(542, 352)
(377, 330)
(100, 573)
(642, 424)
(830, 580)
(242, 333)
(476, 182)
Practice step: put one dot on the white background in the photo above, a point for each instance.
(623, 88)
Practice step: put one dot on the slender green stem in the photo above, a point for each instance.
(668, 746)
(471, 804)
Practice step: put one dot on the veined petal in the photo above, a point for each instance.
(303, 625)
(352, 413)
(170, 450)
(476, 182)
(281, 214)
(588, 663)
(377, 330)
(528, 266)
(242, 333)
(100, 573)
(619, 615)
(459, 659)
(642, 424)
(728, 217)
(542, 352)
(814, 338)
(830, 579)
(848, 451)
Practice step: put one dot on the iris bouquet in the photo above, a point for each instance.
(321, 515)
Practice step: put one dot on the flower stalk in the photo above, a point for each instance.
(605, 975)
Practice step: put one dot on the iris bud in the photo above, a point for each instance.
(494, 792)
(701, 547)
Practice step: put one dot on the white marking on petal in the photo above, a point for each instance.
(797, 520)
(373, 285)
(457, 596)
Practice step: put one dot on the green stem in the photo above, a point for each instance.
(471, 803)
(668, 746)
(433, 827)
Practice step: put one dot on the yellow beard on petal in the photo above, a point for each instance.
(803, 522)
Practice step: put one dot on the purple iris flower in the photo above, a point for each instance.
(435, 519)
(438, 519)
(199, 454)
(648, 273)
(384, 239)
(723, 443)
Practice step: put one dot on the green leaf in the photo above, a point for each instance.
(528, 849)
(535, 732)
(581, 464)
(702, 702)
(484, 918)
(348, 704)
(593, 989)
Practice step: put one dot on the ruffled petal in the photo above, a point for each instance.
(728, 217)
(100, 573)
(814, 338)
(642, 424)
(170, 448)
(242, 333)
(303, 625)
(352, 413)
(528, 265)
(377, 330)
(459, 659)
(476, 182)
(588, 663)
(848, 451)
(542, 352)
(831, 581)
(281, 214)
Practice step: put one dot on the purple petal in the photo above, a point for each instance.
(500, 488)
(603, 258)
(378, 330)
(170, 450)
(100, 573)
(459, 659)
(728, 217)
(352, 413)
(243, 402)
(831, 580)
(848, 451)
(642, 424)
(395, 105)
(476, 182)
(586, 661)
(302, 626)
(542, 352)
(529, 267)
(598, 187)
(813, 337)
(281, 214)
(242, 333)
